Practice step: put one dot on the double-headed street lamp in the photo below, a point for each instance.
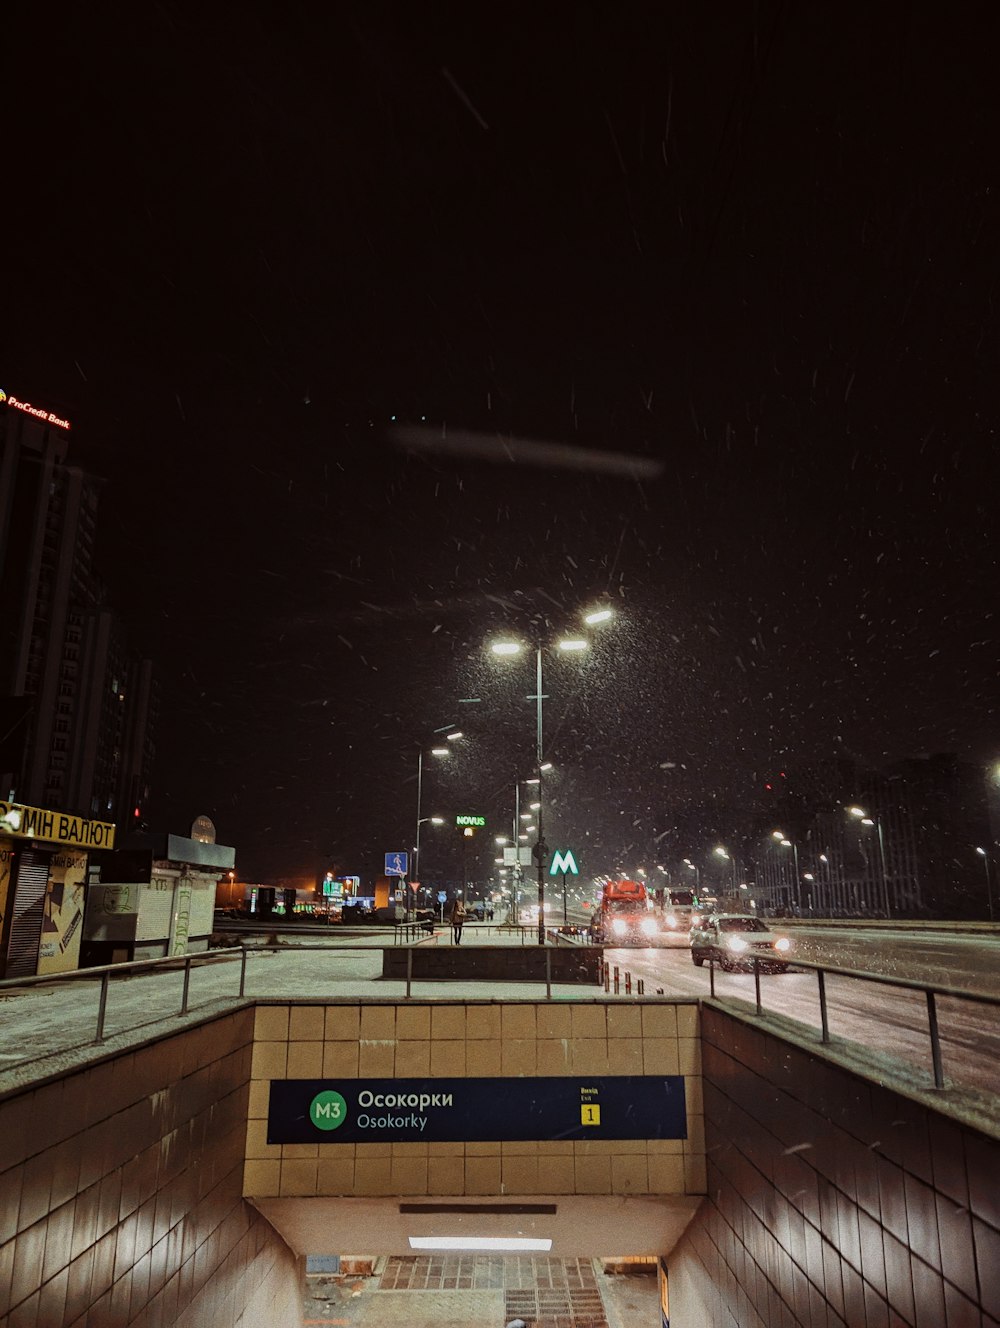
(452, 734)
(568, 645)
(785, 842)
(865, 818)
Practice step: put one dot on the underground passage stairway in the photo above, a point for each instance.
(480, 1291)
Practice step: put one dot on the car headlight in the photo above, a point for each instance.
(648, 927)
(783, 944)
(618, 927)
(737, 944)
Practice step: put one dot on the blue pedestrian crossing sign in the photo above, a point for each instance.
(396, 864)
(564, 861)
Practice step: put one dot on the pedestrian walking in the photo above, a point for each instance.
(457, 919)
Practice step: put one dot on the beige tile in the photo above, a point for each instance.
(695, 1174)
(336, 1176)
(624, 1054)
(413, 1023)
(447, 1059)
(687, 1021)
(695, 1141)
(659, 1021)
(629, 1174)
(589, 1055)
(269, 1060)
(260, 1096)
(376, 1060)
(666, 1175)
(482, 1175)
(297, 1152)
(446, 1175)
(519, 1175)
(298, 1177)
(592, 1175)
(518, 1057)
(517, 1022)
(261, 1179)
(447, 1022)
(694, 1094)
(552, 1020)
(408, 1175)
(373, 1175)
(635, 1147)
(594, 1147)
(270, 1023)
(689, 1051)
(556, 1147)
(554, 1056)
(444, 1150)
(556, 1175)
(482, 1059)
(257, 1145)
(589, 1021)
(365, 1152)
(305, 1060)
(521, 1148)
(483, 1021)
(665, 1147)
(306, 1023)
(483, 1148)
(624, 1021)
(378, 1023)
(341, 1060)
(409, 1150)
(343, 1023)
(660, 1056)
(413, 1059)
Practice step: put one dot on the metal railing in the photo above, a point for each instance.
(931, 993)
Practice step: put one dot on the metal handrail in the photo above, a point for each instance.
(930, 990)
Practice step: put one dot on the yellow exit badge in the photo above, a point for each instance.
(590, 1113)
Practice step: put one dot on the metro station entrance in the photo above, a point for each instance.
(569, 1261)
(476, 1290)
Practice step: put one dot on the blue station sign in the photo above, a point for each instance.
(335, 1111)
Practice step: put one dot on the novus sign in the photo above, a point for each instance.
(309, 1111)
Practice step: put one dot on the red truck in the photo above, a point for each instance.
(624, 916)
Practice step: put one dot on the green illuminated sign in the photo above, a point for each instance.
(478, 821)
(564, 861)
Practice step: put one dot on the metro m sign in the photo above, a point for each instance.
(564, 862)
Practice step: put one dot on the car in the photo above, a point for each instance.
(735, 940)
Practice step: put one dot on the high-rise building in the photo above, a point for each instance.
(76, 701)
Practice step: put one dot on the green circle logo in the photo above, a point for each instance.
(327, 1111)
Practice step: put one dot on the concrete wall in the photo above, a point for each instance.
(121, 1194)
(832, 1200)
(454, 1039)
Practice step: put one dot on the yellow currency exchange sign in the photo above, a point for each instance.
(22, 822)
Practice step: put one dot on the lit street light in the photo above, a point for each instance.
(510, 648)
(785, 842)
(861, 815)
(422, 820)
(989, 884)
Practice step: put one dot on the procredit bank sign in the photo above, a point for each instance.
(37, 412)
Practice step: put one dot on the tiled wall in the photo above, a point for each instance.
(832, 1201)
(121, 1195)
(481, 1039)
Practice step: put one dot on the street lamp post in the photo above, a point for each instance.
(866, 819)
(785, 842)
(989, 884)
(514, 648)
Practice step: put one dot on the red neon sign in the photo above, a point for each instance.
(37, 412)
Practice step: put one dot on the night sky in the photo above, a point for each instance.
(753, 246)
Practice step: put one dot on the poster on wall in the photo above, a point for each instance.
(6, 867)
(62, 915)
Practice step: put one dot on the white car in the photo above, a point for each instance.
(735, 940)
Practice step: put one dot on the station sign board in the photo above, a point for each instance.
(311, 1111)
